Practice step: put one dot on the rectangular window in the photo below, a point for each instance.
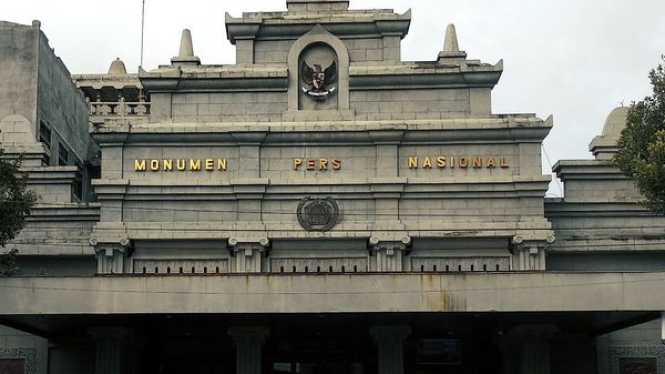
(77, 191)
(63, 155)
(45, 133)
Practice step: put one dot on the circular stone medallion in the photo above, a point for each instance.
(317, 214)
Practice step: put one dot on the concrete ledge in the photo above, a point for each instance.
(334, 293)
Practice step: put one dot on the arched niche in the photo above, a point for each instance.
(16, 129)
(320, 47)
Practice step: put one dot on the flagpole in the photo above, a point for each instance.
(142, 30)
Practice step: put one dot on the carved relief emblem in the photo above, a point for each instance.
(318, 81)
(317, 214)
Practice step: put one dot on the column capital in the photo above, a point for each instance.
(113, 256)
(109, 332)
(243, 243)
(381, 333)
(247, 334)
(544, 331)
(400, 244)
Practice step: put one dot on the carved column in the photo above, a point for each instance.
(390, 347)
(113, 258)
(526, 349)
(530, 255)
(112, 354)
(249, 343)
(389, 255)
(248, 256)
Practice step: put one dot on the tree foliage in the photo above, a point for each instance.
(15, 203)
(641, 154)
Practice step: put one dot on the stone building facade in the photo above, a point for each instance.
(321, 206)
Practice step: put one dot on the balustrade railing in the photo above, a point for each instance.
(119, 108)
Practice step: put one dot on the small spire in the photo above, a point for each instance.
(117, 67)
(186, 55)
(186, 45)
(451, 46)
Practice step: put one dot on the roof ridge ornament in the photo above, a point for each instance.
(451, 46)
(117, 67)
(186, 55)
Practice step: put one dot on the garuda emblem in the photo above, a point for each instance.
(318, 82)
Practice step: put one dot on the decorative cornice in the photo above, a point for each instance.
(523, 128)
(286, 25)
(215, 79)
(413, 75)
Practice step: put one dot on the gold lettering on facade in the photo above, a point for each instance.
(463, 162)
(221, 164)
(320, 164)
(477, 162)
(413, 162)
(180, 164)
(427, 162)
(139, 165)
(195, 165)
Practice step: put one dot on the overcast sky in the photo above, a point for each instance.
(574, 59)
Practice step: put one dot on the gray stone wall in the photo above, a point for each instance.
(463, 163)
(18, 73)
(366, 104)
(410, 104)
(228, 107)
(61, 105)
(361, 51)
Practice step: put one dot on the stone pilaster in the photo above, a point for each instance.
(248, 256)
(113, 258)
(112, 353)
(249, 343)
(389, 342)
(526, 349)
(389, 256)
(530, 255)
